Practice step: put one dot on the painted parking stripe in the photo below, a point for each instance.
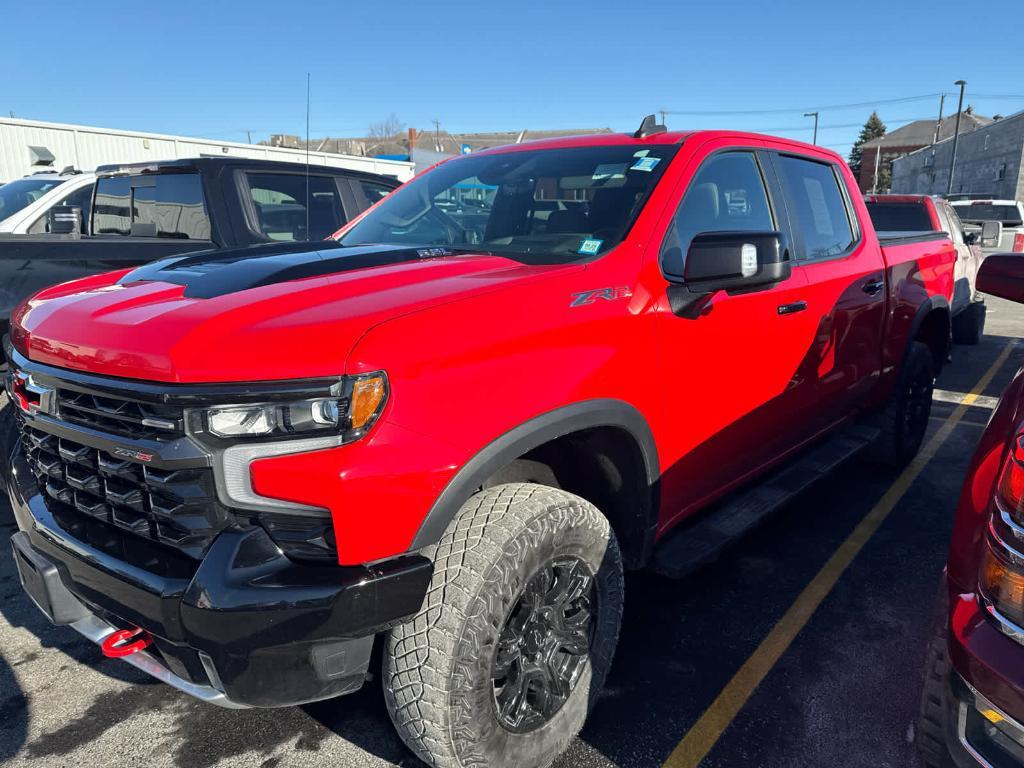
(702, 737)
(981, 401)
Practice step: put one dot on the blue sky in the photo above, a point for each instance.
(218, 69)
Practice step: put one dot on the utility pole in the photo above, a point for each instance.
(437, 135)
(815, 116)
(956, 134)
(248, 135)
(938, 124)
(878, 158)
(662, 113)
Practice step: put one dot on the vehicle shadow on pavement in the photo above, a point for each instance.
(13, 710)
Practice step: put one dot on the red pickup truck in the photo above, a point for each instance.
(972, 704)
(930, 213)
(446, 431)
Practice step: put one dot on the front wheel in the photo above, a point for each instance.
(516, 634)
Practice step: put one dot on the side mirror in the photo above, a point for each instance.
(1002, 274)
(735, 262)
(991, 234)
(64, 220)
(971, 238)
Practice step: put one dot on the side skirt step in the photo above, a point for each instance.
(691, 546)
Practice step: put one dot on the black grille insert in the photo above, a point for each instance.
(177, 508)
(120, 416)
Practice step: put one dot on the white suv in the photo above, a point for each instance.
(25, 203)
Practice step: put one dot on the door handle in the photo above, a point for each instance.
(872, 287)
(790, 309)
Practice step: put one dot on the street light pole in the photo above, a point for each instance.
(815, 116)
(956, 135)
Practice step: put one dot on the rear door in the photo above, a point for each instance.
(845, 284)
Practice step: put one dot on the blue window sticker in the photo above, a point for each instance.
(645, 164)
(590, 246)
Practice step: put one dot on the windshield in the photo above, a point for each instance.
(1009, 215)
(15, 195)
(900, 217)
(545, 206)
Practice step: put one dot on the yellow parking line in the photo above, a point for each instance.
(704, 734)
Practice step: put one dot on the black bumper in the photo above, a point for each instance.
(245, 621)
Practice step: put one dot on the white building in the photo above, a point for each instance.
(27, 146)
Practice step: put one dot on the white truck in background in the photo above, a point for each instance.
(27, 202)
(1000, 222)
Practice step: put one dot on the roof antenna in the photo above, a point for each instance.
(307, 157)
(649, 127)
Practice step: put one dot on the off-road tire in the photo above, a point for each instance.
(969, 325)
(930, 733)
(904, 420)
(438, 665)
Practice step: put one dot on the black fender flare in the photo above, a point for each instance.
(527, 436)
(930, 305)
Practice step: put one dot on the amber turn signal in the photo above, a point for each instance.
(368, 395)
(1003, 586)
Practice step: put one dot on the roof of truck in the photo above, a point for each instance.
(211, 164)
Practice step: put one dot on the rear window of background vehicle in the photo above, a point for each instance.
(900, 217)
(817, 207)
(279, 203)
(167, 205)
(1009, 215)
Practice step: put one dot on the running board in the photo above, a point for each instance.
(691, 546)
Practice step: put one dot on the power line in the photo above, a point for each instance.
(903, 100)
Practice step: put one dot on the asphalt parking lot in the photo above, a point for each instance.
(836, 650)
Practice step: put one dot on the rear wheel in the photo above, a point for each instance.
(516, 633)
(969, 325)
(904, 419)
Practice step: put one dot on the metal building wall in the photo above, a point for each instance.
(85, 147)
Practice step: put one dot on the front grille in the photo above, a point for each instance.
(174, 507)
(121, 416)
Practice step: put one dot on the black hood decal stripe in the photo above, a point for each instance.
(208, 274)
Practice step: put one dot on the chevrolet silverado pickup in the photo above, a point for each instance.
(930, 213)
(972, 702)
(443, 434)
(126, 215)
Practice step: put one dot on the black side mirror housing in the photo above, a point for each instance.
(735, 262)
(1002, 275)
(972, 238)
(64, 220)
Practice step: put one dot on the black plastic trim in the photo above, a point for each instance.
(907, 238)
(530, 435)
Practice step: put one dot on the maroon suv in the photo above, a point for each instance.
(972, 708)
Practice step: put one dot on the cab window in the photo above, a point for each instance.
(817, 208)
(727, 195)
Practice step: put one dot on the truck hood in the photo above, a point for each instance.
(248, 314)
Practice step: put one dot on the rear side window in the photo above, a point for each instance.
(279, 204)
(900, 217)
(169, 205)
(726, 195)
(817, 207)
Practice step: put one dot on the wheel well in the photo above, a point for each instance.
(934, 332)
(604, 465)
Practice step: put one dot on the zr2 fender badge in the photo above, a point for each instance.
(583, 298)
(128, 453)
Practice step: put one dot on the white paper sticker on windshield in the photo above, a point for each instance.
(645, 164)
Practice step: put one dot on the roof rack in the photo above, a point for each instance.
(648, 127)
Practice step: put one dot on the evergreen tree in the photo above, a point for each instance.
(874, 128)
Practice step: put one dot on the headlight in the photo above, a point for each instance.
(354, 410)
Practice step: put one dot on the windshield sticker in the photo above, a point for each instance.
(607, 171)
(589, 247)
(645, 164)
(642, 153)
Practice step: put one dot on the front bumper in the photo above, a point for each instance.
(245, 627)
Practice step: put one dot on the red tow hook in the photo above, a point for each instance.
(119, 645)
